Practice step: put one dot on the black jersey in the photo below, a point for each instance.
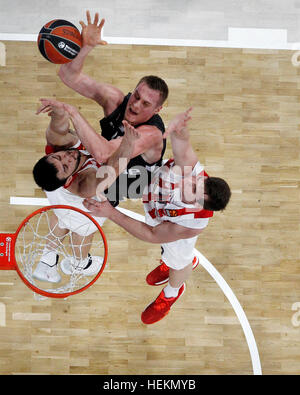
(130, 184)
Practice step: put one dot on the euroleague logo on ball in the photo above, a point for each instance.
(65, 47)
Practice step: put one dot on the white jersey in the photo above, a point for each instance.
(162, 202)
(75, 222)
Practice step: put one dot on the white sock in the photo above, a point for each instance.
(171, 292)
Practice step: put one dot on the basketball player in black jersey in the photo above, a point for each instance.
(139, 108)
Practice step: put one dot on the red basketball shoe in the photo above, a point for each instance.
(160, 275)
(160, 307)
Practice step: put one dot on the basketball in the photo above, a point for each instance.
(59, 41)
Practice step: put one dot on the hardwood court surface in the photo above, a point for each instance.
(245, 128)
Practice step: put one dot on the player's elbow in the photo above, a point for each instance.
(101, 156)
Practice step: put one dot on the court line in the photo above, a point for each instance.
(288, 186)
(2, 54)
(256, 365)
(244, 38)
(24, 201)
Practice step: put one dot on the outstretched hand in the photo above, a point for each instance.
(91, 33)
(52, 106)
(178, 125)
(98, 209)
(131, 134)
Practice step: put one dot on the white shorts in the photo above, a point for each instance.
(179, 254)
(71, 219)
(176, 254)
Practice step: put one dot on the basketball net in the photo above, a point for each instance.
(58, 251)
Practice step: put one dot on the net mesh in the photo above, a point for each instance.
(59, 251)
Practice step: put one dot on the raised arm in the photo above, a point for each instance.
(100, 148)
(118, 161)
(108, 96)
(183, 152)
(163, 233)
(95, 184)
(58, 130)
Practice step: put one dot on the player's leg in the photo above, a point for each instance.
(160, 275)
(176, 279)
(46, 269)
(168, 296)
(82, 245)
(178, 257)
(81, 261)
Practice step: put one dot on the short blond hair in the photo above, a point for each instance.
(157, 84)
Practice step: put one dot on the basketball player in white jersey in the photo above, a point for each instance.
(68, 174)
(178, 205)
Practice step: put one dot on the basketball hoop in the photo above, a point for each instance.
(57, 251)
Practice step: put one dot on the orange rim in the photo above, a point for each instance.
(66, 294)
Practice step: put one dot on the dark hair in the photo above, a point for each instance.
(157, 84)
(218, 192)
(45, 175)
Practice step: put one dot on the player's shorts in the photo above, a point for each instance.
(178, 254)
(71, 219)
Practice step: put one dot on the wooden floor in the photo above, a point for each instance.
(245, 128)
